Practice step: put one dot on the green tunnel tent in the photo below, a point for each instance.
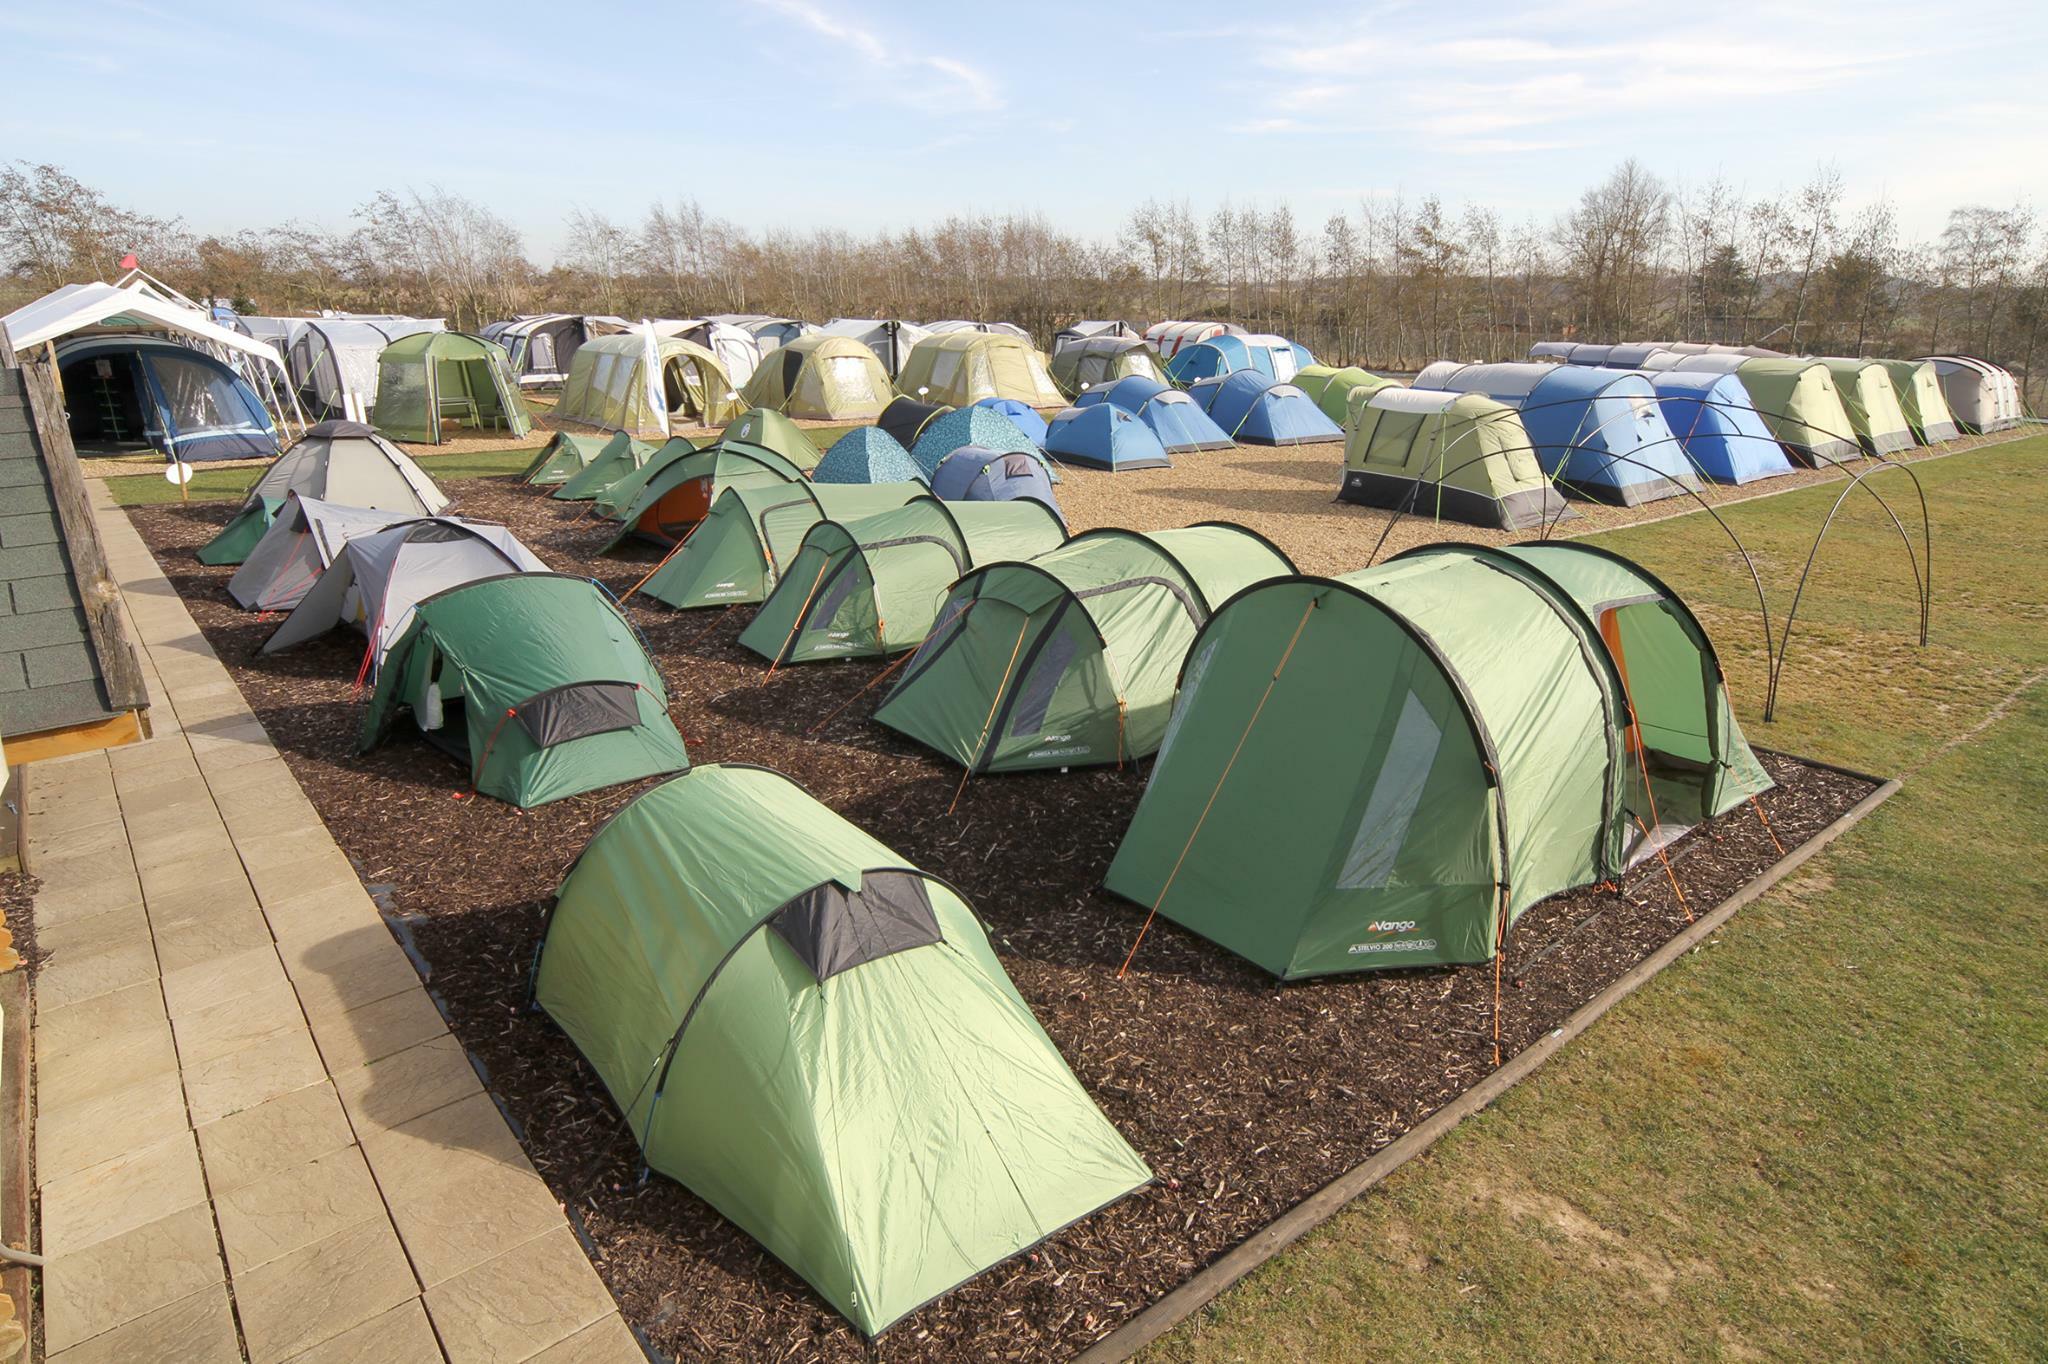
(342, 462)
(678, 488)
(535, 681)
(858, 589)
(1872, 405)
(817, 1039)
(771, 430)
(1339, 390)
(1069, 659)
(618, 459)
(569, 453)
(429, 378)
(737, 552)
(1446, 456)
(1389, 768)
(1799, 402)
(1918, 385)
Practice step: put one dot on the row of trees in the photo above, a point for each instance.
(1391, 283)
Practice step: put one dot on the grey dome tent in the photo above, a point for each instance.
(539, 347)
(891, 339)
(1088, 328)
(975, 473)
(378, 578)
(301, 542)
(336, 461)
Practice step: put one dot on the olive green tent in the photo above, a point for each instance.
(821, 378)
(736, 553)
(874, 586)
(1388, 768)
(1338, 391)
(1447, 456)
(1918, 385)
(1798, 401)
(1872, 405)
(1099, 361)
(816, 1039)
(771, 430)
(1069, 659)
(618, 460)
(430, 378)
(962, 368)
(569, 453)
(609, 387)
(536, 681)
(678, 487)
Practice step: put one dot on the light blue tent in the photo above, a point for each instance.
(1178, 420)
(867, 454)
(1720, 429)
(1599, 433)
(1104, 436)
(973, 425)
(975, 474)
(1021, 414)
(1273, 356)
(1254, 410)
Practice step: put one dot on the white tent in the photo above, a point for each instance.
(735, 346)
(961, 325)
(891, 339)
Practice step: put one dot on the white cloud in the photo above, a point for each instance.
(929, 80)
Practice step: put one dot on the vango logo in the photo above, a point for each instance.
(1391, 926)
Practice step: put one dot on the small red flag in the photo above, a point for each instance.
(128, 262)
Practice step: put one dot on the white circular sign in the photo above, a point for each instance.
(179, 472)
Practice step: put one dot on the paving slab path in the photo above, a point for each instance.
(255, 1137)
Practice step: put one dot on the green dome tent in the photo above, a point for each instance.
(823, 378)
(857, 589)
(1920, 397)
(569, 453)
(619, 459)
(1455, 456)
(536, 681)
(678, 487)
(1339, 391)
(1069, 659)
(1388, 768)
(1799, 402)
(817, 1040)
(1872, 405)
(735, 554)
(429, 378)
(771, 430)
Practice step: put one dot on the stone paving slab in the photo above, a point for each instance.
(256, 1139)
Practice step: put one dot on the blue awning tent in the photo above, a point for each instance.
(867, 454)
(1178, 420)
(123, 392)
(1021, 414)
(1599, 433)
(1252, 409)
(1104, 436)
(1273, 356)
(1720, 430)
(975, 474)
(972, 425)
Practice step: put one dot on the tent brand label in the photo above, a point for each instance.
(723, 590)
(1362, 949)
(1391, 926)
(1072, 751)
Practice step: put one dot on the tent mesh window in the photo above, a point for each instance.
(579, 710)
(834, 929)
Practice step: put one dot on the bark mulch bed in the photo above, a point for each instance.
(1245, 1096)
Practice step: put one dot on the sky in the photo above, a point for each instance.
(864, 115)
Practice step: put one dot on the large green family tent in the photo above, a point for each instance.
(1338, 391)
(816, 1038)
(1921, 399)
(1388, 768)
(337, 461)
(678, 488)
(1069, 659)
(569, 453)
(962, 368)
(1799, 402)
(821, 378)
(536, 682)
(1872, 405)
(619, 459)
(1098, 361)
(770, 430)
(874, 586)
(736, 554)
(645, 384)
(302, 541)
(431, 378)
(1446, 456)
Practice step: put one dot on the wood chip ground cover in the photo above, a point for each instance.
(1244, 1096)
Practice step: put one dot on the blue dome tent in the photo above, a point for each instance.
(1598, 432)
(1021, 414)
(1273, 356)
(123, 392)
(1105, 436)
(867, 454)
(971, 425)
(974, 474)
(1254, 410)
(1722, 432)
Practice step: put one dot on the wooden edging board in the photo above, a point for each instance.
(1290, 1226)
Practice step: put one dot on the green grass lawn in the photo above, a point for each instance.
(229, 485)
(1821, 1136)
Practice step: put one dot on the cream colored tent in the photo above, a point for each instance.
(647, 385)
(962, 368)
(821, 378)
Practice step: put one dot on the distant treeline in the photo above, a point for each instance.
(1390, 284)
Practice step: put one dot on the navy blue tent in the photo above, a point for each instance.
(974, 425)
(1022, 415)
(1256, 411)
(1720, 429)
(867, 454)
(123, 392)
(1104, 436)
(972, 474)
